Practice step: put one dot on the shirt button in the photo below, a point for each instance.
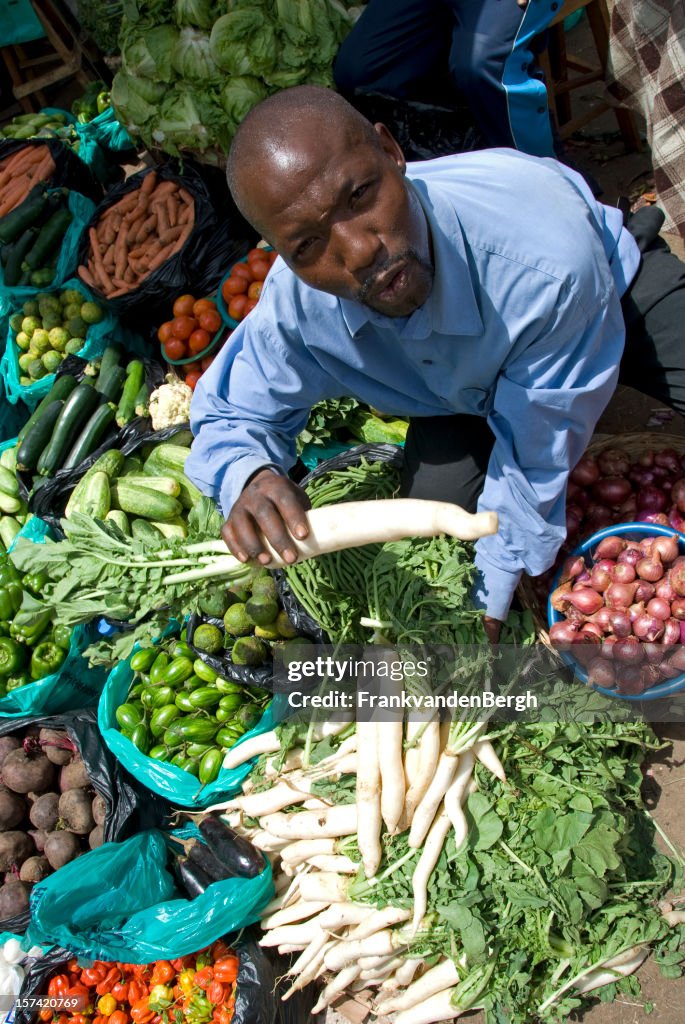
(427, 362)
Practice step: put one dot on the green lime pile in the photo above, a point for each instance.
(50, 327)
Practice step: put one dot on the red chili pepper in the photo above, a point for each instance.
(204, 977)
(119, 1017)
(120, 991)
(91, 976)
(226, 970)
(216, 993)
(162, 972)
(178, 964)
(78, 989)
(58, 985)
(110, 979)
(136, 991)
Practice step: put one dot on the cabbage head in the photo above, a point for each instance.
(243, 42)
(240, 95)
(188, 119)
(135, 99)
(149, 54)
(191, 58)
(196, 13)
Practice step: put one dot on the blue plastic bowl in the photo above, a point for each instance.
(631, 531)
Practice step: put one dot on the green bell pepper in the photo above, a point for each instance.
(103, 101)
(14, 682)
(35, 581)
(46, 659)
(8, 574)
(10, 600)
(29, 632)
(13, 657)
(62, 636)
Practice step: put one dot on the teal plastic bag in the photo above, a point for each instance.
(13, 416)
(100, 137)
(98, 337)
(120, 903)
(82, 210)
(176, 785)
(74, 685)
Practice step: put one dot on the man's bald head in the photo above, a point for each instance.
(278, 125)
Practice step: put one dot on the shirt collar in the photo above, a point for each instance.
(451, 308)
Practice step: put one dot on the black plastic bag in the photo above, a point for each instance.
(258, 992)
(422, 130)
(130, 807)
(70, 171)
(220, 236)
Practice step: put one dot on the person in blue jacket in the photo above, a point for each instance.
(483, 295)
(443, 51)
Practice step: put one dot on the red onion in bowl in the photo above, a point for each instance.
(630, 681)
(628, 651)
(676, 576)
(666, 548)
(658, 608)
(678, 608)
(671, 632)
(585, 600)
(677, 659)
(636, 609)
(650, 676)
(601, 576)
(650, 568)
(558, 597)
(664, 589)
(631, 556)
(620, 595)
(571, 568)
(584, 647)
(624, 572)
(585, 473)
(645, 591)
(648, 628)
(608, 647)
(620, 624)
(610, 547)
(563, 633)
(592, 627)
(603, 617)
(600, 672)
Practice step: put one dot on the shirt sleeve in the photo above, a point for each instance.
(248, 409)
(547, 400)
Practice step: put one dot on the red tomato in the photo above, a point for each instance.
(164, 332)
(260, 268)
(183, 326)
(192, 379)
(236, 307)
(183, 306)
(255, 254)
(198, 341)
(193, 367)
(255, 289)
(206, 362)
(201, 305)
(233, 286)
(249, 306)
(273, 256)
(242, 270)
(210, 321)
(175, 349)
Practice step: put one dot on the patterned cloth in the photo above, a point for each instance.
(646, 71)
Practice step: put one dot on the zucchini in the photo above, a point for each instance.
(142, 403)
(17, 255)
(120, 519)
(23, 216)
(109, 386)
(135, 375)
(9, 528)
(62, 388)
(145, 532)
(91, 435)
(94, 500)
(177, 529)
(110, 359)
(37, 438)
(50, 238)
(110, 463)
(8, 483)
(141, 501)
(75, 411)
(163, 484)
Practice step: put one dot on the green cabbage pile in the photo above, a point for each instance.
(192, 69)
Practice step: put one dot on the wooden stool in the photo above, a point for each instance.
(59, 52)
(556, 64)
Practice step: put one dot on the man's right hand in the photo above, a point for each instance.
(272, 505)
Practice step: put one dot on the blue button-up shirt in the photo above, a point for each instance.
(523, 326)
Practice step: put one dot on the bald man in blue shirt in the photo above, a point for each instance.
(479, 295)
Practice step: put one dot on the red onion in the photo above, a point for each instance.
(610, 547)
(641, 476)
(654, 653)
(660, 473)
(647, 627)
(678, 494)
(583, 578)
(558, 597)
(631, 556)
(628, 651)
(658, 518)
(682, 632)
(646, 459)
(668, 671)
(600, 577)
(592, 627)
(671, 632)
(571, 568)
(585, 600)
(630, 681)
(628, 511)
(645, 591)
(584, 647)
(650, 676)
(574, 517)
(603, 617)
(608, 647)
(664, 589)
(651, 499)
(678, 608)
(620, 624)
(600, 672)
(576, 495)
(585, 473)
(675, 520)
(659, 608)
(620, 595)
(677, 659)
(646, 545)
(676, 576)
(650, 568)
(623, 573)
(636, 609)
(563, 632)
(669, 459)
(613, 462)
(666, 548)
(612, 490)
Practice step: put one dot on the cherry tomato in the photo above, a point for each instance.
(207, 362)
(192, 379)
(236, 307)
(242, 270)
(210, 321)
(233, 286)
(183, 306)
(201, 305)
(164, 332)
(255, 254)
(198, 340)
(193, 367)
(249, 306)
(255, 289)
(260, 268)
(175, 349)
(183, 326)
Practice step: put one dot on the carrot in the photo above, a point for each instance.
(162, 218)
(98, 262)
(170, 235)
(12, 197)
(149, 183)
(186, 196)
(85, 275)
(129, 275)
(26, 158)
(120, 252)
(119, 282)
(138, 211)
(127, 202)
(162, 256)
(172, 209)
(165, 189)
(45, 169)
(145, 228)
(101, 278)
(118, 292)
(105, 232)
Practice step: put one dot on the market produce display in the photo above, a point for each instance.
(32, 234)
(49, 328)
(179, 710)
(20, 173)
(50, 812)
(190, 338)
(136, 235)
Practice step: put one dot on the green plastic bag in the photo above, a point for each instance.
(96, 340)
(100, 137)
(74, 685)
(13, 416)
(176, 785)
(120, 903)
(82, 210)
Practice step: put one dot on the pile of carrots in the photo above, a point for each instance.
(136, 235)
(20, 172)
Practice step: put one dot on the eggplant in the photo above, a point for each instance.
(200, 855)
(236, 853)
(194, 878)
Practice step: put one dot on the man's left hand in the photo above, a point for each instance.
(492, 628)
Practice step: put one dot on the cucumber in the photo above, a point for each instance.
(120, 519)
(144, 531)
(109, 463)
(167, 456)
(163, 484)
(110, 359)
(9, 504)
(131, 465)
(135, 375)
(37, 438)
(62, 388)
(17, 255)
(175, 529)
(9, 528)
(50, 238)
(141, 501)
(91, 435)
(8, 483)
(110, 387)
(23, 216)
(75, 411)
(8, 459)
(94, 500)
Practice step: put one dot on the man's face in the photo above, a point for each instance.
(345, 221)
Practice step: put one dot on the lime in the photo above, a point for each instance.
(208, 638)
(77, 327)
(236, 621)
(91, 313)
(16, 321)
